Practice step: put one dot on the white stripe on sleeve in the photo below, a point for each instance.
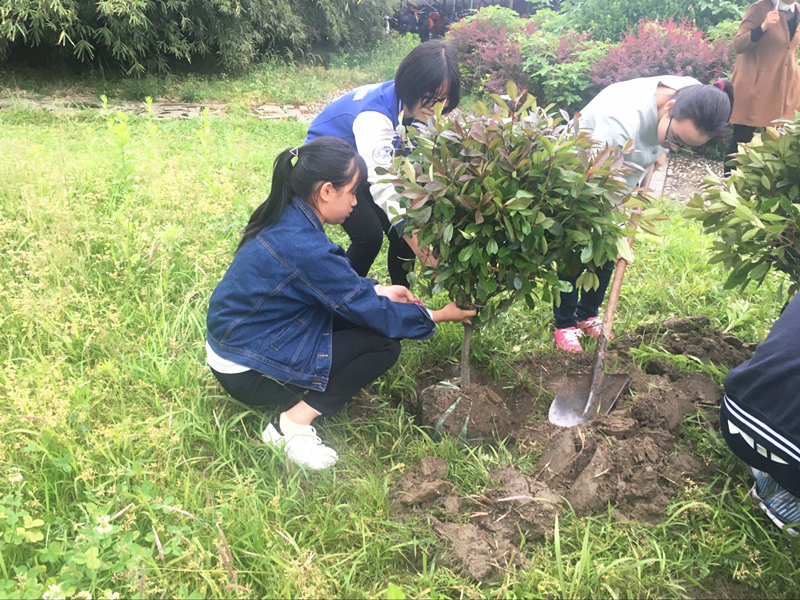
(763, 429)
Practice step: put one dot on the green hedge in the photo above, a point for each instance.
(145, 35)
(611, 19)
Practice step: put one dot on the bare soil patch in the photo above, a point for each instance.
(632, 459)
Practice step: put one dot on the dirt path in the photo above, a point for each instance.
(167, 110)
(684, 175)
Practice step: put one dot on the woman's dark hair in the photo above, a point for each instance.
(707, 106)
(325, 159)
(424, 70)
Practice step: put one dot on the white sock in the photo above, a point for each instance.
(289, 428)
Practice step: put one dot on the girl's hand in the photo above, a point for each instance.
(425, 255)
(771, 19)
(451, 312)
(428, 259)
(396, 293)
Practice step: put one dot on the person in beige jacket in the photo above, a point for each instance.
(766, 78)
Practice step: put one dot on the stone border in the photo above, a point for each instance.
(659, 177)
(161, 110)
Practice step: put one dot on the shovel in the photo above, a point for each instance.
(582, 398)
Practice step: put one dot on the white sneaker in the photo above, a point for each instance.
(307, 450)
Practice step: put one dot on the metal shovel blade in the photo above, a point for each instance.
(567, 409)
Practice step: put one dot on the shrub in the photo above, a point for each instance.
(755, 212)
(145, 35)
(505, 196)
(488, 45)
(557, 63)
(657, 48)
(550, 21)
(496, 17)
(723, 33)
(611, 19)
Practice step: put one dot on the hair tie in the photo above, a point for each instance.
(294, 152)
(720, 84)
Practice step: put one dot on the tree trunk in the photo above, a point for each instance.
(465, 370)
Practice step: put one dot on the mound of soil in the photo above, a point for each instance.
(481, 541)
(632, 459)
(475, 413)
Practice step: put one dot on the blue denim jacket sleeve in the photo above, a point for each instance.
(330, 280)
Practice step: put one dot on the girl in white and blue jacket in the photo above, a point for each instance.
(291, 321)
(367, 119)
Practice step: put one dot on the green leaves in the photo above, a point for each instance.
(513, 196)
(624, 250)
(520, 201)
(753, 212)
(145, 35)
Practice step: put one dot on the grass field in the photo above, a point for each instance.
(126, 470)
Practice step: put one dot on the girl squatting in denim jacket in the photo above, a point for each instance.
(291, 321)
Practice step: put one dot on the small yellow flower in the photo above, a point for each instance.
(82, 596)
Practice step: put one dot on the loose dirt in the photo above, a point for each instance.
(632, 459)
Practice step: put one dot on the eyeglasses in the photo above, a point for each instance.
(677, 145)
(430, 101)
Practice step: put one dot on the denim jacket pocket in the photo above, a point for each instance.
(287, 334)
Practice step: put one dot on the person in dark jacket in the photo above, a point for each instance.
(367, 118)
(291, 321)
(760, 418)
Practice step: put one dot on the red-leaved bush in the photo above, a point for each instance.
(489, 50)
(662, 48)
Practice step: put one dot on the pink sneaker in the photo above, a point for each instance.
(567, 339)
(593, 327)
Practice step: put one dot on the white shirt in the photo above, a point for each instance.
(627, 111)
(374, 134)
(221, 365)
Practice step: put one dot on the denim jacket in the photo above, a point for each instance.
(273, 310)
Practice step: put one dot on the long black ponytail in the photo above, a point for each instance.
(300, 172)
(709, 107)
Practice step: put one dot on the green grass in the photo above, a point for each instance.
(127, 469)
(272, 81)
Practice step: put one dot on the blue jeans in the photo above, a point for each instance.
(571, 310)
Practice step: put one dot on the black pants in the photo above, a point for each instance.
(742, 134)
(366, 226)
(572, 309)
(787, 475)
(359, 356)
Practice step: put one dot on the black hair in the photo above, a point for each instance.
(326, 159)
(707, 106)
(424, 70)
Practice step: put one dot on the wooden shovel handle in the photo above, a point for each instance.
(613, 295)
(616, 284)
